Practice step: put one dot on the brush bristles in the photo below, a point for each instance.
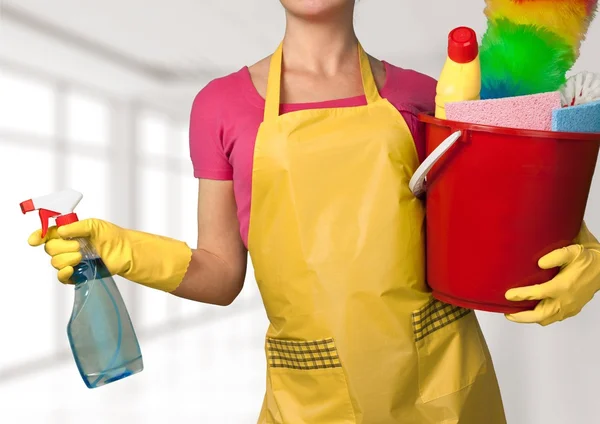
(522, 59)
(530, 45)
(568, 18)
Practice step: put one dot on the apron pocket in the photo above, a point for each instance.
(308, 382)
(449, 348)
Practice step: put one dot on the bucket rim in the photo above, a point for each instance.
(428, 118)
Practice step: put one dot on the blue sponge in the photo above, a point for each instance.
(583, 118)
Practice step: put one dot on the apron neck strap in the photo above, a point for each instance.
(273, 97)
(368, 80)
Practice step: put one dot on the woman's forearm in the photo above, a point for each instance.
(209, 279)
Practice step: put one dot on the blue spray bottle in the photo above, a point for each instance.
(102, 338)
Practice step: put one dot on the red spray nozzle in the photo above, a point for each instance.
(55, 205)
(27, 206)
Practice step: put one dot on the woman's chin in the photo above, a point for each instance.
(317, 10)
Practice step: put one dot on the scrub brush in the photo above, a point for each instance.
(581, 88)
(530, 45)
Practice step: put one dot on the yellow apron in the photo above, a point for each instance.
(337, 243)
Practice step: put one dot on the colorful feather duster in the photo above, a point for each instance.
(530, 45)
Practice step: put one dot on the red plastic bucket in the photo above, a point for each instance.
(498, 199)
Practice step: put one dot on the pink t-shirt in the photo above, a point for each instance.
(226, 115)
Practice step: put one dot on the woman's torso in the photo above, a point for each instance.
(227, 113)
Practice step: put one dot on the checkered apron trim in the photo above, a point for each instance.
(302, 355)
(434, 316)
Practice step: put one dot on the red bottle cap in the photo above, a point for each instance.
(462, 45)
(66, 219)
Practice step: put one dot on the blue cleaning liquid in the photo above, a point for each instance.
(102, 337)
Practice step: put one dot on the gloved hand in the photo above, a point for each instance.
(575, 285)
(147, 259)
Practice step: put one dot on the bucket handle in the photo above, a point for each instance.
(418, 181)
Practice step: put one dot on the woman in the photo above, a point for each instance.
(313, 181)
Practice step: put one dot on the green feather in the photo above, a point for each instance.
(520, 60)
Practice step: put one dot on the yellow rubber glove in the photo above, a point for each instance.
(147, 259)
(575, 285)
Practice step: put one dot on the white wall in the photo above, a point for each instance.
(130, 160)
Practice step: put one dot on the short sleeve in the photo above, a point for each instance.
(412, 93)
(206, 136)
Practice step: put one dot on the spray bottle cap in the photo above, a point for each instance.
(58, 205)
(462, 45)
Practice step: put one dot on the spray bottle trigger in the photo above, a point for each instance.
(45, 216)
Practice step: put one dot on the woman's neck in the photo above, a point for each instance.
(320, 47)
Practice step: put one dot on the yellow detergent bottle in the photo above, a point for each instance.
(460, 79)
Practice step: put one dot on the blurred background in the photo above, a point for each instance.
(95, 95)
